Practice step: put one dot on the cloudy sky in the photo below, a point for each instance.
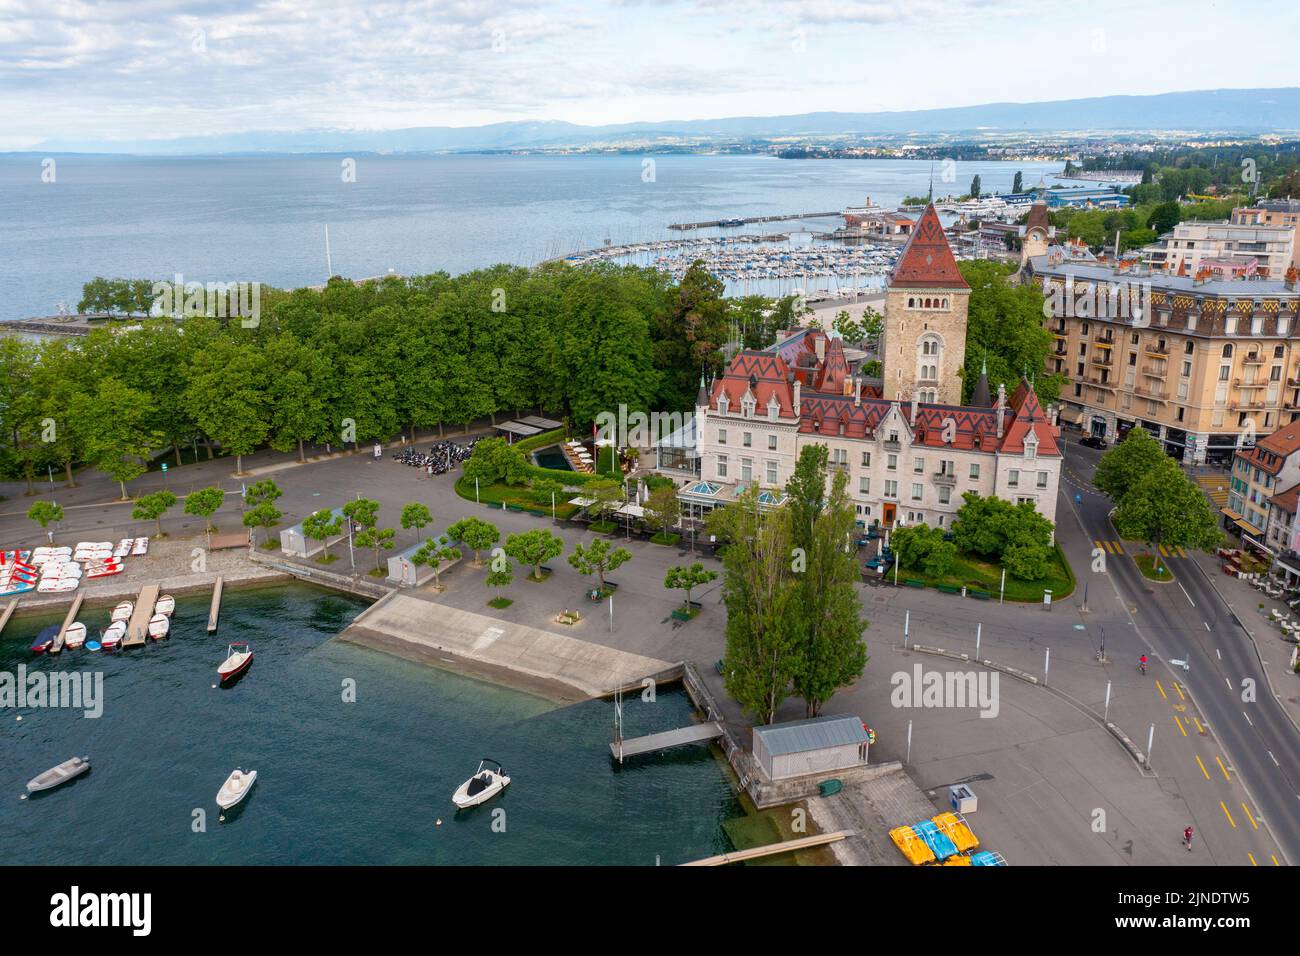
(133, 69)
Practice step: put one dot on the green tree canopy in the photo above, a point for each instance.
(1125, 465)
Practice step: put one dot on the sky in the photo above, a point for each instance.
(154, 69)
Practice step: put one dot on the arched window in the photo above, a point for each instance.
(1227, 350)
(911, 302)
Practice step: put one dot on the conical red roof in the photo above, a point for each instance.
(927, 259)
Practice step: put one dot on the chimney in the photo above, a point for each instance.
(915, 402)
(820, 346)
(797, 400)
(1001, 407)
(857, 392)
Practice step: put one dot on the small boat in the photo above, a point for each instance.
(235, 788)
(159, 626)
(166, 605)
(123, 611)
(141, 546)
(61, 774)
(102, 570)
(123, 547)
(45, 639)
(483, 786)
(111, 639)
(93, 645)
(58, 585)
(16, 588)
(75, 635)
(238, 659)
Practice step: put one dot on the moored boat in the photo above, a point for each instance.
(165, 605)
(111, 639)
(75, 635)
(45, 639)
(61, 774)
(483, 786)
(238, 659)
(235, 788)
(123, 611)
(159, 626)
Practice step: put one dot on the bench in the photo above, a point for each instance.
(493, 504)
(681, 615)
(979, 595)
(947, 589)
(514, 508)
(913, 583)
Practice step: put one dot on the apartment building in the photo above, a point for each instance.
(1202, 364)
(1224, 249)
(1274, 212)
(1263, 489)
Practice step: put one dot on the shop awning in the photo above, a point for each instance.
(1230, 513)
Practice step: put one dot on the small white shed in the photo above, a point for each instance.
(816, 745)
(296, 544)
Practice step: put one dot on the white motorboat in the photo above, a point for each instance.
(238, 659)
(75, 635)
(123, 612)
(235, 788)
(61, 774)
(165, 605)
(159, 626)
(483, 786)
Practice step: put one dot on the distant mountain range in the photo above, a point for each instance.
(1243, 111)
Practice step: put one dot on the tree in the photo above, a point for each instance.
(1018, 184)
(362, 512)
(493, 460)
(1005, 329)
(598, 558)
(1165, 507)
(377, 539)
(807, 491)
(152, 507)
(43, 512)
(761, 657)
(415, 515)
(1124, 465)
(475, 532)
(849, 330)
(687, 578)
(873, 326)
(435, 553)
(663, 509)
(923, 548)
(261, 492)
(606, 497)
(500, 574)
(1017, 536)
(689, 334)
(264, 514)
(205, 503)
(826, 612)
(226, 398)
(321, 526)
(534, 548)
(544, 491)
(1164, 217)
(975, 187)
(114, 423)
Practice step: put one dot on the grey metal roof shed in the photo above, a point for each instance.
(817, 745)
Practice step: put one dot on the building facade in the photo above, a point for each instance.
(1202, 364)
(1274, 212)
(1223, 249)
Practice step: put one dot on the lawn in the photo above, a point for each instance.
(1146, 564)
(973, 573)
(506, 495)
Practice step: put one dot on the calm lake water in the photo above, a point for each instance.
(263, 218)
(338, 783)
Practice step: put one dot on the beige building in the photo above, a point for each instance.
(1262, 490)
(1274, 212)
(1200, 364)
(1223, 249)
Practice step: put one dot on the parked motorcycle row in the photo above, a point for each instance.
(442, 456)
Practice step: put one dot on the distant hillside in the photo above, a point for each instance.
(1247, 111)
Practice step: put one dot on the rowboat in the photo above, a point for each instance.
(159, 626)
(238, 659)
(45, 639)
(75, 635)
(123, 611)
(59, 775)
(111, 639)
(165, 605)
(235, 788)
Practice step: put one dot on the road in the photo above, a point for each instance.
(1188, 621)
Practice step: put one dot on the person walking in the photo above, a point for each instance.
(1187, 838)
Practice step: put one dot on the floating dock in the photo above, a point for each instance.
(8, 613)
(215, 610)
(715, 223)
(137, 629)
(694, 734)
(71, 616)
(788, 846)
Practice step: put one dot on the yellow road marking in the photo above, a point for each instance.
(1250, 816)
(1097, 542)
(1160, 688)
(1202, 766)
(1199, 728)
(1119, 547)
(1252, 858)
(1163, 552)
(1219, 761)
(1180, 691)
(1274, 859)
(1180, 725)
(1181, 552)
(1227, 814)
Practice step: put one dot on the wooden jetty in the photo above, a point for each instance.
(713, 224)
(788, 846)
(694, 734)
(71, 616)
(215, 610)
(8, 613)
(137, 629)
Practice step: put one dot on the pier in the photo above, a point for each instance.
(694, 734)
(8, 613)
(71, 616)
(137, 629)
(215, 610)
(788, 846)
(716, 223)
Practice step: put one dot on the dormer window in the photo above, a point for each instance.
(723, 404)
(747, 407)
(1031, 448)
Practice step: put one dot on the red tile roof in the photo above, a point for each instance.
(1271, 452)
(1286, 500)
(927, 260)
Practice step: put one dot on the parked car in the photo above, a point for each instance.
(1094, 441)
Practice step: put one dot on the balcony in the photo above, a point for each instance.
(944, 479)
(1158, 394)
(1102, 358)
(1238, 383)
(1254, 358)
(892, 444)
(1106, 343)
(1155, 371)
(1156, 349)
(1098, 383)
(1247, 405)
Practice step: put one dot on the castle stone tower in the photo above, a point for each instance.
(1036, 233)
(924, 345)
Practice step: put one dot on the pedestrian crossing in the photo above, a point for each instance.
(1117, 547)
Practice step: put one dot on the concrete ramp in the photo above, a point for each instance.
(535, 655)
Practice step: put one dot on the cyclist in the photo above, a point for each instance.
(1187, 838)
(1142, 663)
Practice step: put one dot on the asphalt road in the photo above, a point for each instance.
(1188, 621)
